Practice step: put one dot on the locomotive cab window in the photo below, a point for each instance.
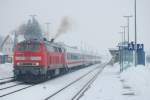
(25, 46)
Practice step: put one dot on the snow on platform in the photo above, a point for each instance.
(132, 84)
(6, 70)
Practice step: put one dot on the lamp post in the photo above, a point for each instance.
(135, 22)
(124, 32)
(123, 43)
(121, 51)
(128, 23)
(47, 29)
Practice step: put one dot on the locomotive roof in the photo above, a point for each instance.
(30, 41)
(60, 45)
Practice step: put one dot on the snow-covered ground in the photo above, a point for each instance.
(6, 70)
(132, 84)
(43, 90)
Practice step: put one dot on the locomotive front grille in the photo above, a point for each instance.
(28, 64)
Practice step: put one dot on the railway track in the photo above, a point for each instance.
(80, 93)
(83, 88)
(8, 90)
(15, 86)
(10, 86)
(6, 80)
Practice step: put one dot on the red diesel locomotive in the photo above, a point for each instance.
(39, 59)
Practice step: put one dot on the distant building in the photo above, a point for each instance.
(7, 46)
(115, 55)
(124, 53)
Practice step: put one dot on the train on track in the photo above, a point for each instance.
(41, 59)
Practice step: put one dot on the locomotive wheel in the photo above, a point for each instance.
(63, 71)
(17, 77)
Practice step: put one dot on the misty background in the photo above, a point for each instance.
(95, 23)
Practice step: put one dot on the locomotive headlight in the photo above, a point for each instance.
(18, 64)
(20, 58)
(37, 64)
(35, 58)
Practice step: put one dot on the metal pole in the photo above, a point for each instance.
(47, 29)
(123, 45)
(15, 39)
(135, 33)
(128, 23)
(121, 52)
(124, 32)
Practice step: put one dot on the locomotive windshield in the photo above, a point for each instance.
(24, 46)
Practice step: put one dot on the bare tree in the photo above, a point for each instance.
(30, 30)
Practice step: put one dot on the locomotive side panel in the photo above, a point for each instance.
(55, 56)
(44, 59)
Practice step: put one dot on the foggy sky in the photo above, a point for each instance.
(95, 22)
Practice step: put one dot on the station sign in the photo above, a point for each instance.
(131, 46)
(140, 47)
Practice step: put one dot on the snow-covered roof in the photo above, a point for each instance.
(124, 44)
(113, 48)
